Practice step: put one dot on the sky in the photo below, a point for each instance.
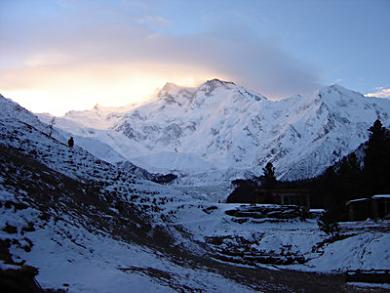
(58, 55)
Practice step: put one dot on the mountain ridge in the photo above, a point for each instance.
(222, 125)
(325, 111)
(117, 228)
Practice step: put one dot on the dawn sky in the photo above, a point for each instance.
(70, 54)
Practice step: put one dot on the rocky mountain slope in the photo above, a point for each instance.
(74, 217)
(222, 126)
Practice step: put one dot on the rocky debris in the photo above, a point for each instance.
(270, 212)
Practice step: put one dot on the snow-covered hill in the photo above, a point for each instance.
(74, 218)
(91, 226)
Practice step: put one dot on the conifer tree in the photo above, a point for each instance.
(377, 160)
(269, 175)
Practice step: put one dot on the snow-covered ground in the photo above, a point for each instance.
(71, 257)
(92, 226)
(293, 243)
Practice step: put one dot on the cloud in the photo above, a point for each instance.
(57, 40)
(380, 93)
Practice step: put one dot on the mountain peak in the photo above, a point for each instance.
(209, 86)
(215, 82)
(337, 86)
(169, 87)
(335, 89)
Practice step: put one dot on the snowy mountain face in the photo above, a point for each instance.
(85, 137)
(65, 206)
(192, 127)
(99, 117)
(91, 226)
(222, 126)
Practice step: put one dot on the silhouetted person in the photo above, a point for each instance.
(70, 142)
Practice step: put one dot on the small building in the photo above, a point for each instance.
(375, 207)
(284, 196)
(359, 209)
(381, 206)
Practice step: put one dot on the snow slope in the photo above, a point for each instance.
(75, 259)
(73, 218)
(111, 229)
(99, 117)
(273, 235)
(84, 138)
(80, 242)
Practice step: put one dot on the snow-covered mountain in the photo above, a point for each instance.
(223, 126)
(99, 117)
(73, 217)
(88, 225)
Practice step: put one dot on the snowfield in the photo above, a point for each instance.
(71, 257)
(89, 225)
(297, 242)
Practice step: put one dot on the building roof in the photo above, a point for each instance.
(357, 200)
(381, 196)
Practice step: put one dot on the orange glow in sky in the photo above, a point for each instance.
(44, 87)
(58, 55)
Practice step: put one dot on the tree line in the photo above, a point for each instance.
(350, 178)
